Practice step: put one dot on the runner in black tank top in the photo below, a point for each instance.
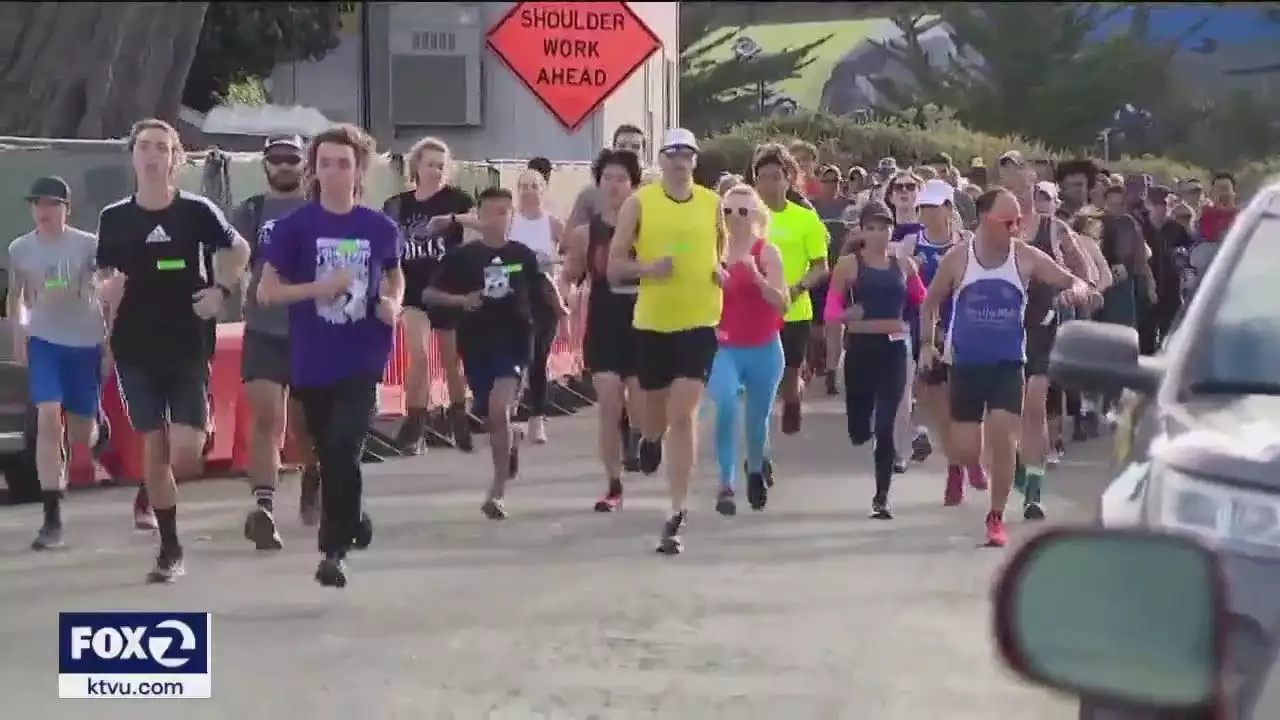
(609, 351)
(1041, 322)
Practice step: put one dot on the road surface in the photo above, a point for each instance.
(807, 611)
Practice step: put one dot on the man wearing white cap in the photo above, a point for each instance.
(1043, 314)
(673, 227)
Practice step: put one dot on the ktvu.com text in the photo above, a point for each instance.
(157, 686)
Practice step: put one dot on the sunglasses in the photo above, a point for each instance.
(904, 187)
(741, 211)
(290, 160)
(679, 153)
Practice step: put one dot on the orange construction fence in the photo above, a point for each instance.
(227, 447)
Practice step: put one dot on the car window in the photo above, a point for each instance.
(1243, 335)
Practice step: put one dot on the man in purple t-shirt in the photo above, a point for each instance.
(336, 264)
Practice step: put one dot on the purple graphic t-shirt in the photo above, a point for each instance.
(339, 338)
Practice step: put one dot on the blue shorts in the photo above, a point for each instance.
(69, 376)
(485, 370)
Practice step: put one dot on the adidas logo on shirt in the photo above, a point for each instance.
(157, 235)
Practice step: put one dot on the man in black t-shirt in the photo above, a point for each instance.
(169, 258)
(427, 216)
(496, 284)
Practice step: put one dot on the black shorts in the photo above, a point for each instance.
(1039, 345)
(795, 342)
(265, 357)
(664, 357)
(977, 389)
(483, 370)
(178, 395)
(609, 346)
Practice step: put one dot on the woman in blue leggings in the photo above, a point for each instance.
(750, 354)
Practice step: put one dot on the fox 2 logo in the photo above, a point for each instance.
(134, 642)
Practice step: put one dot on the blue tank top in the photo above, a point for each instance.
(912, 314)
(928, 258)
(986, 324)
(882, 292)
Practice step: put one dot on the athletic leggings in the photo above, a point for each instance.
(757, 370)
(875, 376)
(544, 333)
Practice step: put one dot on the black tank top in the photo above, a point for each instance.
(1040, 296)
(606, 298)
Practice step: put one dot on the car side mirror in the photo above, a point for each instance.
(1129, 618)
(1090, 355)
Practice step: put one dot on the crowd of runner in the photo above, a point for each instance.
(929, 297)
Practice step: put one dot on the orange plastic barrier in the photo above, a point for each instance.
(227, 449)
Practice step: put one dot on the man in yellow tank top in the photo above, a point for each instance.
(670, 237)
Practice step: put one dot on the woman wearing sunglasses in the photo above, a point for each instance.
(871, 290)
(902, 195)
(750, 356)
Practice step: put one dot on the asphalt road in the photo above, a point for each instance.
(806, 611)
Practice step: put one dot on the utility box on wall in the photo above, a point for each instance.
(434, 65)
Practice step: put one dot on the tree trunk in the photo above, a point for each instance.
(91, 69)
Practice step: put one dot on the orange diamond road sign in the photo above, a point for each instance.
(572, 55)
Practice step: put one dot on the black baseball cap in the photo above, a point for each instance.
(293, 142)
(50, 188)
(875, 210)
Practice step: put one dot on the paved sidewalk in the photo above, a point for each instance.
(807, 611)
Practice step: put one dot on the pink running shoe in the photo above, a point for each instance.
(978, 477)
(954, 494)
(997, 536)
(144, 518)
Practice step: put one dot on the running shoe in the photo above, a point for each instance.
(758, 490)
(1053, 457)
(538, 430)
(670, 543)
(144, 518)
(612, 499)
(260, 529)
(725, 504)
(790, 418)
(921, 446)
(650, 455)
(766, 470)
(168, 567)
(460, 425)
(954, 493)
(309, 500)
(332, 572)
(364, 533)
(410, 440)
(1032, 509)
(978, 477)
(494, 509)
(899, 466)
(880, 509)
(832, 388)
(630, 451)
(997, 536)
(49, 538)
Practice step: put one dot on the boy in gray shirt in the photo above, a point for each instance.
(59, 334)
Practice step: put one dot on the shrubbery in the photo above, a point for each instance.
(846, 142)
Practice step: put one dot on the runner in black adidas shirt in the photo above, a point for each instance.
(608, 346)
(495, 284)
(171, 259)
(426, 216)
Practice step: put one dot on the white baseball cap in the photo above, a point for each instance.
(678, 138)
(1048, 188)
(936, 193)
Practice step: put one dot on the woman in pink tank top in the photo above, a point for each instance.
(750, 355)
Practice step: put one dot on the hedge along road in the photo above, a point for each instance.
(808, 610)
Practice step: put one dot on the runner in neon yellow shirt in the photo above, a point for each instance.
(802, 240)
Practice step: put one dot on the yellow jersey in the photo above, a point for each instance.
(687, 232)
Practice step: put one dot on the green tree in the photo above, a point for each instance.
(716, 93)
(244, 41)
(1044, 70)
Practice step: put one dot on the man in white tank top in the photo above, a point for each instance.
(986, 342)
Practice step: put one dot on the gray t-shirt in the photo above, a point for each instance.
(272, 320)
(584, 206)
(57, 276)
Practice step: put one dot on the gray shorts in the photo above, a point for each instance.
(265, 357)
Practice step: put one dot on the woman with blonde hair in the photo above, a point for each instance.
(750, 355)
(543, 233)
